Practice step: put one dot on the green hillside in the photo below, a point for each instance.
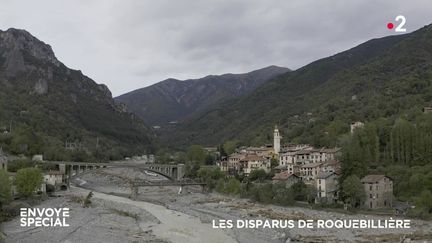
(386, 78)
(44, 105)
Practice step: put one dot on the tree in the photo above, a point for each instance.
(230, 146)
(196, 156)
(232, 186)
(303, 192)
(353, 191)
(402, 139)
(5, 188)
(222, 150)
(263, 193)
(15, 165)
(282, 195)
(359, 151)
(259, 175)
(163, 157)
(196, 153)
(209, 159)
(425, 201)
(210, 175)
(274, 162)
(28, 180)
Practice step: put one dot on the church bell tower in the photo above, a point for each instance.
(276, 140)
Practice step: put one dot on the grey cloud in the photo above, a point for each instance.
(131, 44)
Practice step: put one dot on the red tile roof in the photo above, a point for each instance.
(283, 176)
(373, 178)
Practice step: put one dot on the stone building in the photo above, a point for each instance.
(379, 191)
(255, 162)
(427, 109)
(309, 172)
(260, 151)
(327, 187)
(309, 155)
(223, 164)
(286, 177)
(54, 178)
(233, 163)
(287, 158)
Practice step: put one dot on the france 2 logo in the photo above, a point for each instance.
(400, 26)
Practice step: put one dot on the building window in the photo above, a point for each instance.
(370, 195)
(370, 188)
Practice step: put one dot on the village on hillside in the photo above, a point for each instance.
(319, 168)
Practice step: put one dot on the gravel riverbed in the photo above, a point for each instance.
(160, 214)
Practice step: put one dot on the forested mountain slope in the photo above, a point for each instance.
(386, 77)
(44, 105)
(173, 100)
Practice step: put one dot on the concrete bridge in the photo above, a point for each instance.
(172, 172)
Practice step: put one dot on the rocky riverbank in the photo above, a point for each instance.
(160, 214)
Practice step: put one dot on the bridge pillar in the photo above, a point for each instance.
(69, 175)
(62, 168)
(173, 172)
(180, 172)
(78, 171)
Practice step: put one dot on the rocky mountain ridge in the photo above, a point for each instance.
(173, 99)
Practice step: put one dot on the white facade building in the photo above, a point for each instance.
(356, 125)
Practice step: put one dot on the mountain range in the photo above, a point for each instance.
(45, 106)
(173, 100)
(387, 77)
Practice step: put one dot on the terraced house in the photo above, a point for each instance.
(254, 162)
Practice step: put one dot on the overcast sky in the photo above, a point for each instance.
(130, 44)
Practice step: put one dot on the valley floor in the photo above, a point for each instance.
(161, 215)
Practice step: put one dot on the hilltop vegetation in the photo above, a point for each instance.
(387, 78)
(44, 104)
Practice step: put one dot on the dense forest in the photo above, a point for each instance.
(401, 150)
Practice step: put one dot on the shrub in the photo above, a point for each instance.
(5, 188)
(282, 195)
(232, 186)
(18, 164)
(259, 175)
(28, 180)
